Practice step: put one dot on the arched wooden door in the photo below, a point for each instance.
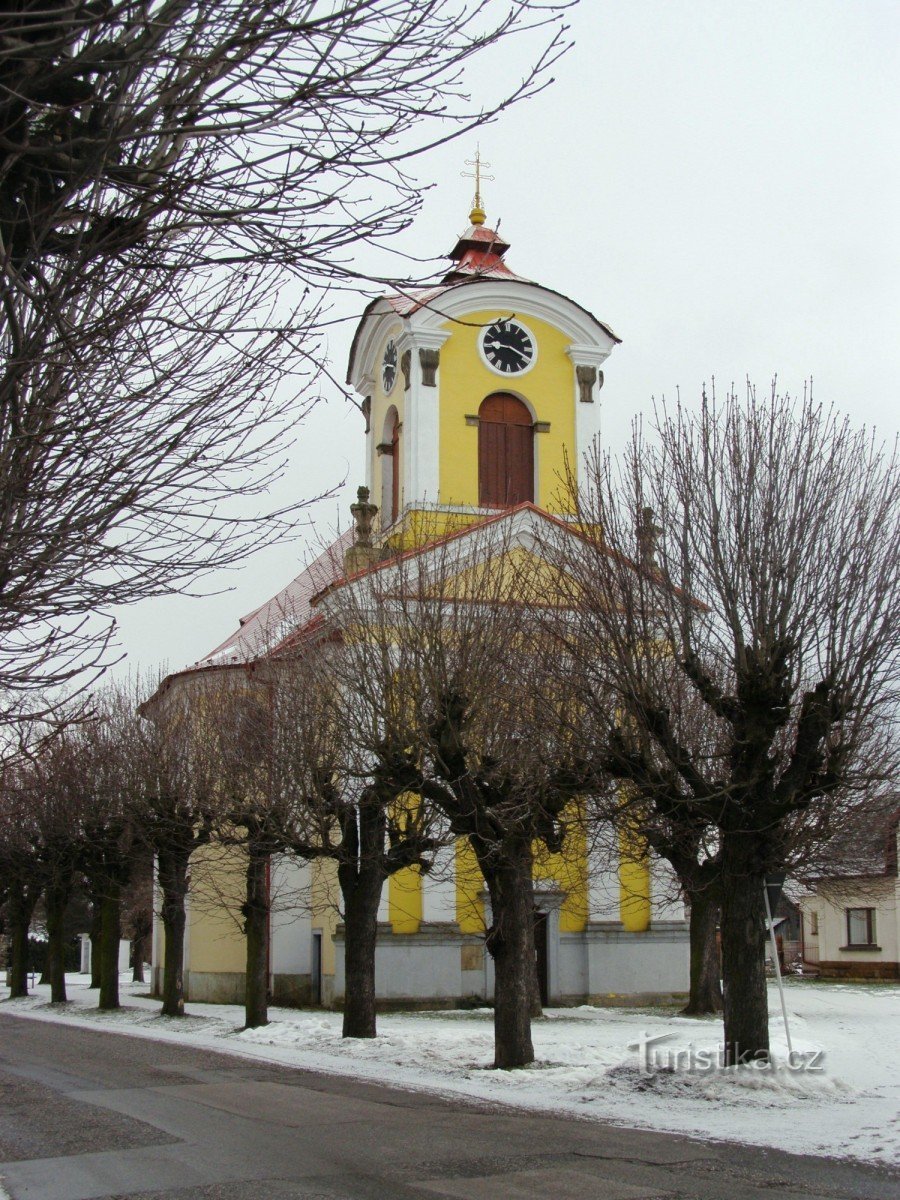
(505, 451)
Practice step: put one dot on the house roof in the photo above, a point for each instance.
(865, 846)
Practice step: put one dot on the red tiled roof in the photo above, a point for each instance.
(286, 612)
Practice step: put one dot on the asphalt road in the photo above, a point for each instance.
(89, 1114)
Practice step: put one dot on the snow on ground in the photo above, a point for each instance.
(591, 1062)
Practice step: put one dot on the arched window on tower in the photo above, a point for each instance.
(390, 468)
(505, 451)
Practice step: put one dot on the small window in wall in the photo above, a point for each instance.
(505, 452)
(813, 924)
(390, 468)
(860, 926)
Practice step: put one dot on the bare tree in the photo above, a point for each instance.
(111, 847)
(446, 638)
(179, 182)
(684, 838)
(21, 883)
(749, 563)
(58, 797)
(350, 776)
(179, 784)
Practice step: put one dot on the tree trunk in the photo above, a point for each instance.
(137, 961)
(18, 910)
(95, 935)
(256, 929)
(361, 900)
(706, 989)
(110, 936)
(361, 875)
(56, 899)
(743, 926)
(510, 942)
(173, 869)
(537, 1005)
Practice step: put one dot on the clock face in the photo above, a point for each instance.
(389, 366)
(508, 347)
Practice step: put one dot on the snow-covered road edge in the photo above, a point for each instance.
(587, 1066)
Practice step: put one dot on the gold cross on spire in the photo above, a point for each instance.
(477, 215)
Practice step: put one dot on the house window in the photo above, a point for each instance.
(860, 926)
(505, 452)
(813, 924)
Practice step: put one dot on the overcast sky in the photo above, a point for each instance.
(719, 183)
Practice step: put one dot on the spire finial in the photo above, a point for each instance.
(477, 215)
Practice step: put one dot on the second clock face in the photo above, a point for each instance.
(389, 366)
(508, 347)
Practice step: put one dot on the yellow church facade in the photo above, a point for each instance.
(481, 395)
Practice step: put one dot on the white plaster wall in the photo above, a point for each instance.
(830, 902)
(620, 963)
(439, 888)
(291, 926)
(666, 901)
(411, 968)
(603, 891)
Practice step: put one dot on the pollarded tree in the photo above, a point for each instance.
(350, 776)
(447, 636)
(660, 824)
(178, 783)
(767, 591)
(59, 797)
(21, 884)
(111, 847)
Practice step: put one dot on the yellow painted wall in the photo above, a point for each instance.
(569, 869)
(465, 381)
(516, 575)
(634, 883)
(405, 900)
(325, 895)
(217, 886)
(469, 887)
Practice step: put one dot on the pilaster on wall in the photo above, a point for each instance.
(420, 463)
(366, 387)
(667, 904)
(586, 396)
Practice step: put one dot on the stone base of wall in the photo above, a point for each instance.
(293, 991)
(225, 987)
(440, 967)
(858, 970)
(214, 987)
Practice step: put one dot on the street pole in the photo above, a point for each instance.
(787, 1032)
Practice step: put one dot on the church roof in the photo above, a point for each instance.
(478, 252)
(288, 610)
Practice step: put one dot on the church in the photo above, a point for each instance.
(478, 393)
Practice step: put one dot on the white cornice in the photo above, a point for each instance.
(587, 356)
(515, 297)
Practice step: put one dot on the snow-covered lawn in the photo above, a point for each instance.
(845, 1103)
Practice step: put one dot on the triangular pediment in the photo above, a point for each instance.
(510, 558)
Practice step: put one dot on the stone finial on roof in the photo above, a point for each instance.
(647, 540)
(362, 554)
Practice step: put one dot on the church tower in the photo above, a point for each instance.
(477, 390)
